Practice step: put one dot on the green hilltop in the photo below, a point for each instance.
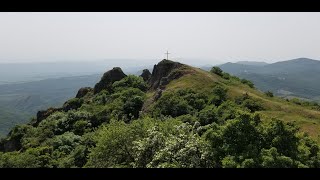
(176, 116)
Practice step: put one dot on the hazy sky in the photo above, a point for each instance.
(206, 38)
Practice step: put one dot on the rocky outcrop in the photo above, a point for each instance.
(10, 145)
(146, 75)
(43, 114)
(108, 78)
(164, 72)
(157, 94)
(83, 91)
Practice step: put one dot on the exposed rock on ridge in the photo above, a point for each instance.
(108, 78)
(146, 75)
(83, 91)
(163, 73)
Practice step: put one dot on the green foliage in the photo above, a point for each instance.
(32, 158)
(130, 81)
(216, 70)
(102, 97)
(272, 159)
(252, 105)
(239, 100)
(247, 142)
(187, 118)
(208, 115)
(180, 102)
(73, 103)
(269, 94)
(249, 103)
(179, 149)
(226, 76)
(219, 95)
(313, 105)
(247, 82)
(82, 126)
(226, 111)
(114, 143)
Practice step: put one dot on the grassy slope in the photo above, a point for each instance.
(200, 80)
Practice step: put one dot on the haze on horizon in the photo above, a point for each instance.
(203, 38)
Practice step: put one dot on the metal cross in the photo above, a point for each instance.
(167, 55)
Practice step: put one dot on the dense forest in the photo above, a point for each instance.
(177, 116)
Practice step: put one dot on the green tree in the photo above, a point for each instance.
(114, 143)
(179, 149)
(269, 94)
(247, 82)
(252, 105)
(130, 81)
(219, 95)
(208, 115)
(216, 70)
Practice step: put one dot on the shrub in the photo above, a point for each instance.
(219, 95)
(252, 105)
(216, 70)
(269, 94)
(247, 82)
(74, 103)
(208, 115)
(130, 81)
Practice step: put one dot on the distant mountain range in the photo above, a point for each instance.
(20, 102)
(292, 78)
(254, 63)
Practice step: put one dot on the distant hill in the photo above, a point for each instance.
(253, 63)
(297, 77)
(27, 72)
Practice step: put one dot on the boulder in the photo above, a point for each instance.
(108, 79)
(83, 91)
(43, 114)
(146, 75)
(163, 73)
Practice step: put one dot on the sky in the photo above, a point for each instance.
(142, 37)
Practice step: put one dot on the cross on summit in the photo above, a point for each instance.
(167, 53)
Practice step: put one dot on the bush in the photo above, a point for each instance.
(252, 105)
(226, 111)
(216, 70)
(247, 82)
(219, 95)
(239, 100)
(269, 94)
(170, 104)
(133, 106)
(130, 81)
(208, 115)
(226, 75)
(74, 103)
(187, 119)
(180, 102)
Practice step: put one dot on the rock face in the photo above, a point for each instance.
(10, 145)
(163, 73)
(146, 75)
(108, 78)
(83, 91)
